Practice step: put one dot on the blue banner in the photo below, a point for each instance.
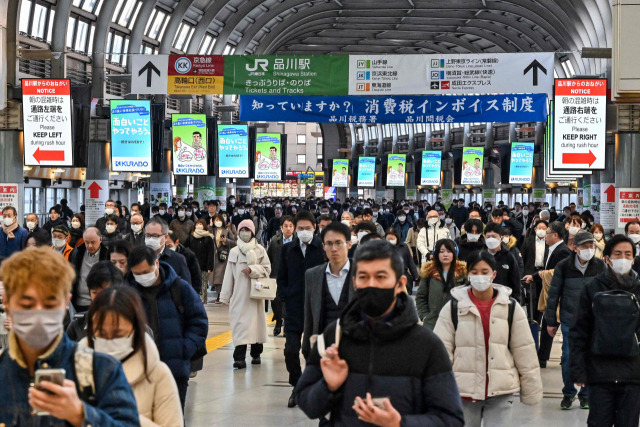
(367, 172)
(395, 109)
(130, 136)
(521, 169)
(233, 151)
(431, 162)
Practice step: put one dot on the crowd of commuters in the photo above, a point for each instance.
(406, 312)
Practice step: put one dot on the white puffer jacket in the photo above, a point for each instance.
(510, 369)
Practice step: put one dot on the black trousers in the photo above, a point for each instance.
(240, 352)
(292, 347)
(278, 310)
(614, 404)
(183, 384)
(546, 341)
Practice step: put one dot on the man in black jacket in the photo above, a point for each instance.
(110, 209)
(83, 258)
(156, 235)
(273, 252)
(534, 248)
(507, 272)
(570, 277)
(385, 369)
(613, 379)
(303, 253)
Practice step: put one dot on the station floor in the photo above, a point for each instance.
(257, 396)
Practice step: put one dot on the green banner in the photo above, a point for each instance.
(489, 196)
(204, 193)
(539, 195)
(286, 75)
(447, 198)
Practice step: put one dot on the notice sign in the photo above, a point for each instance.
(96, 195)
(200, 74)
(388, 74)
(189, 144)
(431, 161)
(472, 161)
(580, 124)
(608, 206)
(46, 108)
(9, 194)
(628, 206)
(233, 151)
(268, 157)
(396, 169)
(130, 136)
(340, 173)
(521, 163)
(366, 172)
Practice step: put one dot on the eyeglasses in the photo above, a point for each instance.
(337, 244)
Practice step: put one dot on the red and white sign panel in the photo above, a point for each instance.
(628, 206)
(580, 124)
(46, 108)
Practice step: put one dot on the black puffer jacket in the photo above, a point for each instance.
(394, 358)
(466, 248)
(586, 367)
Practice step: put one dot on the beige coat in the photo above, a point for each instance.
(247, 316)
(157, 397)
(510, 369)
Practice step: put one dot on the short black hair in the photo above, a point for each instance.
(104, 272)
(304, 216)
(112, 218)
(325, 217)
(337, 227)
(478, 256)
(366, 226)
(357, 213)
(614, 241)
(120, 246)
(369, 237)
(57, 209)
(496, 213)
(367, 211)
(468, 226)
(492, 227)
(379, 250)
(140, 254)
(557, 227)
(541, 221)
(284, 218)
(634, 222)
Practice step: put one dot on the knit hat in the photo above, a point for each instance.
(583, 237)
(247, 223)
(60, 229)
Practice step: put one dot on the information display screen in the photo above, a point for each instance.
(130, 135)
(472, 161)
(366, 172)
(396, 170)
(521, 169)
(268, 157)
(233, 151)
(189, 144)
(431, 163)
(340, 173)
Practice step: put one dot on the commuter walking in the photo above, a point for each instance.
(201, 243)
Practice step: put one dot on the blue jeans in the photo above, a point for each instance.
(569, 389)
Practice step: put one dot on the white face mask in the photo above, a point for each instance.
(240, 211)
(108, 211)
(136, 228)
(621, 266)
(635, 238)
(37, 328)
(58, 243)
(181, 214)
(473, 237)
(305, 235)
(574, 230)
(480, 282)
(110, 228)
(432, 221)
(587, 254)
(505, 240)
(492, 243)
(541, 233)
(7, 221)
(117, 347)
(448, 221)
(393, 241)
(217, 223)
(199, 227)
(375, 214)
(346, 222)
(153, 242)
(361, 234)
(245, 236)
(597, 236)
(402, 218)
(31, 225)
(354, 239)
(146, 280)
(161, 212)
(76, 224)
(525, 212)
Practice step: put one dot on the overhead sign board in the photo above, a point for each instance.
(233, 151)
(195, 74)
(551, 174)
(451, 74)
(189, 144)
(396, 167)
(149, 74)
(46, 108)
(268, 157)
(521, 170)
(472, 161)
(431, 163)
(130, 135)
(340, 173)
(366, 172)
(627, 206)
(580, 124)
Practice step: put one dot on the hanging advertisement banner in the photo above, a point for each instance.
(489, 196)
(286, 75)
(396, 170)
(189, 144)
(395, 109)
(580, 123)
(268, 157)
(521, 169)
(195, 74)
(340, 173)
(627, 206)
(447, 198)
(595, 203)
(472, 161)
(539, 195)
(46, 111)
(159, 192)
(205, 193)
(130, 136)
(233, 151)
(431, 164)
(367, 172)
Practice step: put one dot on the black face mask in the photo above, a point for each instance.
(375, 301)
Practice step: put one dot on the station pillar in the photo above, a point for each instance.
(182, 187)
(11, 170)
(160, 182)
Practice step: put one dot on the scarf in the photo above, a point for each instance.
(199, 234)
(627, 283)
(10, 229)
(248, 249)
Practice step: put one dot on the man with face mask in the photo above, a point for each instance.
(83, 258)
(155, 237)
(507, 272)
(274, 223)
(429, 235)
(182, 226)
(459, 213)
(109, 210)
(604, 353)
(33, 227)
(59, 237)
(136, 236)
(178, 336)
(37, 287)
(570, 277)
(297, 256)
(632, 231)
(12, 237)
(372, 356)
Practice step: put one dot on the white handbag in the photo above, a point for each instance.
(263, 289)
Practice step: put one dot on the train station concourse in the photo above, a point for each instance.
(319, 212)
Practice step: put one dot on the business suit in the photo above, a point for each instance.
(313, 301)
(528, 251)
(273, 252)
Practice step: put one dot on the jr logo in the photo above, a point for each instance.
(262, 63)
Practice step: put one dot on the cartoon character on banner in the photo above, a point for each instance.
(271, 162)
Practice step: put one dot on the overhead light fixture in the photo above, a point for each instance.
(26, 168)
(58, 170)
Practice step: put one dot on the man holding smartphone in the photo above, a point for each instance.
(37, 292)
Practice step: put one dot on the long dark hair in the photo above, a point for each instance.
(451, 247)
(121, 301)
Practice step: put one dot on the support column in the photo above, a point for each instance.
(11, 172)
(182, 187)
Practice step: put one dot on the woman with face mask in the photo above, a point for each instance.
(76, 230)
(200, 242)
(412, 239)
(259, 221)
(572, 224)
(116, 326)
(483, 318)
(600, 239)
(111, 228)
(223, 241)
(451, 225)
(248, 260)
(472, 238)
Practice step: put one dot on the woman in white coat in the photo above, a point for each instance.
(116, 326)
(248, 260)
(491, 359)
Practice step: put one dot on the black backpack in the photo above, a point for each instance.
(615, 333)
(512, 309)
